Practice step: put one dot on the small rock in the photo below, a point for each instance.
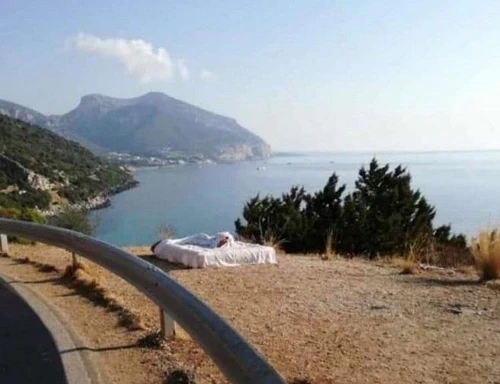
(378, 307)
(456, 311)
(456, 308)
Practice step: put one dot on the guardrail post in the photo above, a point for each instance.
(167, 325)
(4, 244)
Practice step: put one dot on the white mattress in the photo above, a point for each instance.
(195, 256)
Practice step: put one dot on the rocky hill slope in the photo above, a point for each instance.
(153, 125)
(41, 169)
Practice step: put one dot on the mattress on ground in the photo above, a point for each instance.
(196, 256)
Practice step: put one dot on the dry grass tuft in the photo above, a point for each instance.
(165, 231)
(152, 340)
(4, 254)
(407, 265)
(408, 268)
(24, 260)
(72, 270)
(277, 244)
(329, 252)
(419, 250)
(486, 252)
(180, 376)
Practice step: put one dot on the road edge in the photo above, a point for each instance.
(79, 366)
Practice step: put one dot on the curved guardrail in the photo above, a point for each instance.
(237, 360)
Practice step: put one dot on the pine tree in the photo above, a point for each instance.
(384, 214)
(323, 212)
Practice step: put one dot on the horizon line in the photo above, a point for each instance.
(387, 151)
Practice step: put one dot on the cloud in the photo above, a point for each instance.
(183, 70)
(206, 75)
(139, 57)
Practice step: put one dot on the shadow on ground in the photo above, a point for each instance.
(101, 349)
(445, 282)
(162, 264)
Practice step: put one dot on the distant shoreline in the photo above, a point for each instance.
(133, 168)
(103, 200)
(372, 152)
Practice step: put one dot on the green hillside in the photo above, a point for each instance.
(39, 168)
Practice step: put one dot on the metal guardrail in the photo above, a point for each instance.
(237, 360)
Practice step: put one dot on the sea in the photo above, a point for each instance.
(463, 186)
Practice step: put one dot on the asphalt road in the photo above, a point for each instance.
(28, 353)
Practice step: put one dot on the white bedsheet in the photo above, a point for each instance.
(196, 256)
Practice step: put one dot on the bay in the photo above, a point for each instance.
(463, 186)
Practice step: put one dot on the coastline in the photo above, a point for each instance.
(103, 200)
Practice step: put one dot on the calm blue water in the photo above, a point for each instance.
(464, 187)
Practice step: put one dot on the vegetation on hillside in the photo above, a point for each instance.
(383, 215)
(74, 219)
(25, 214)
(73, 171)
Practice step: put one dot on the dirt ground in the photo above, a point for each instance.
(336, 321)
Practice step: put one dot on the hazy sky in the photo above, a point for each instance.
(311, 75)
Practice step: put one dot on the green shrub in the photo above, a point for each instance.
(277, 218)
(444, 236)
(25, 214)
(30, 199)
(75, 220)
(382, 216)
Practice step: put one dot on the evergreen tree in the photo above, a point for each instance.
(277, 218)
(323, 212)
(384, 214)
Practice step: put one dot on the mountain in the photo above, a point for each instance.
(153, 124)
(39, 168)
(23, 113)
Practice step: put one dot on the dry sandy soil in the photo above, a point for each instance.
(337, 321)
